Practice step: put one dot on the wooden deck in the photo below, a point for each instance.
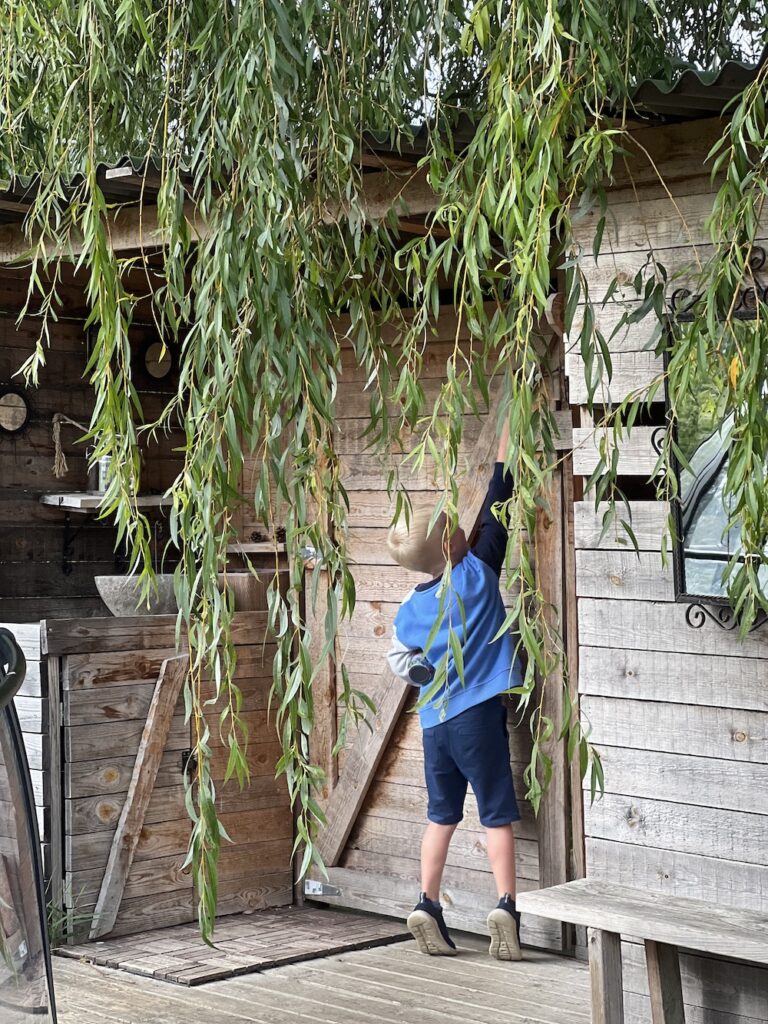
(388, 985)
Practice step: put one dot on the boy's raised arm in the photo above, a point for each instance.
(491, 543)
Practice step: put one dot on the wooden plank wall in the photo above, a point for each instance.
(109, 669)
(379, 869)
(32, 708)
(680, 715)
(32, 583)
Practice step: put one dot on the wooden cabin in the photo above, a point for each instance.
(677, 705)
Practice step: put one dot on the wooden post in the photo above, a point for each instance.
(55, 769)
(151, 749)
(324, 732)
(664, 986)
(553, 856)
(605, 976)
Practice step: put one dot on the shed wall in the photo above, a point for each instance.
(33, 583)
(680, 715)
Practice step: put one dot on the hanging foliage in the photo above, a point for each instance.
(252, 114)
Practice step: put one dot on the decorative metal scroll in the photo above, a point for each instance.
(696, 615)
(657, 439)
(683, 301)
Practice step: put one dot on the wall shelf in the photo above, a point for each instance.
(89, 501)
(255, 548)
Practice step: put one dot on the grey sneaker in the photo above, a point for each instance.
(504, 926)
(426, 925)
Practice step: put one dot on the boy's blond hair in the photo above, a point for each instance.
(413, 545)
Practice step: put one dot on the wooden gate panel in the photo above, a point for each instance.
(107, 697)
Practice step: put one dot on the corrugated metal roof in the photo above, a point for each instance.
(695, 93)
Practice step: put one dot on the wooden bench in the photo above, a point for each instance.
(664, 923)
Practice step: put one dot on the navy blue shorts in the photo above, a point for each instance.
(472, 748)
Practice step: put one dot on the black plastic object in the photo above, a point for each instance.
(420, 670)
(26, 977)
(13, 667)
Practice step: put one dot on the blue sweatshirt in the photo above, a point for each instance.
(489, 665)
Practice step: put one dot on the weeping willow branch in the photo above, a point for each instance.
(274, 255)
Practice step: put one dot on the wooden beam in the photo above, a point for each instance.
(605, 976)
(552, 821)
(664, 986)
(365, 755)
(322, 740)
(138, 227)
(151, 749)
(56, 838)
(674, 920)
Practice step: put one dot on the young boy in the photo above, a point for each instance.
(464, 725)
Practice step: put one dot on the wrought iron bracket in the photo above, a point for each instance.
(696, 615)
(683, 301)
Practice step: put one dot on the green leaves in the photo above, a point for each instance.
(254, 116)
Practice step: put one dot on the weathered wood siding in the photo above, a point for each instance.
(109, 668)
(680, 715)
(32, 708)
(33, 584)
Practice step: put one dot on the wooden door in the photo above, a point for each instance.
(375, 797)
(125, 749)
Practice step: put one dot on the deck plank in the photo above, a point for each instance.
(392, 984)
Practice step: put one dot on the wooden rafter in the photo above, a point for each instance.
(137, 227)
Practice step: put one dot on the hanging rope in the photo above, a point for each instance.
(60, 467)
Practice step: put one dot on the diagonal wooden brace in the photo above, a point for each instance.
(151, 748)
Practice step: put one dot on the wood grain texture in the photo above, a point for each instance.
(672, 920)
(605, 977)
(664, 986)
(103, 635)
(653, 626)
(729, 835)
(728, 985)
(383, 894)
(552, 822)
(55, 878)
(674, 678)
(632, 374)
(126, 837)
(652, 224)
(323, 736)
(360, 768)
(362, 987)
(715, 732)
(636, 454)
(699, 781)
(627, 575)
(731, 883)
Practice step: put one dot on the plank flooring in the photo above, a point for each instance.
(388, 985)
(244, 943)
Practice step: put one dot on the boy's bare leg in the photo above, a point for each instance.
(434, 851)
(501, 855)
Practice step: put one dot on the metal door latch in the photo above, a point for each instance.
(313, 888)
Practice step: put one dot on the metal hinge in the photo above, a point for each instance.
(313, 888)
